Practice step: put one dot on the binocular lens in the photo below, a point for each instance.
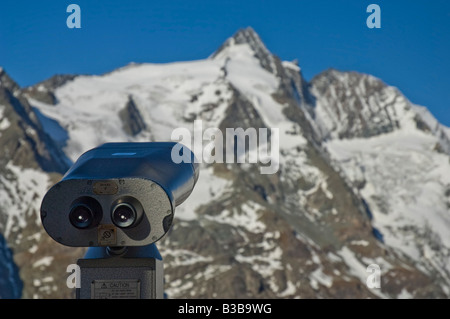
(81, 216)
(124, 215)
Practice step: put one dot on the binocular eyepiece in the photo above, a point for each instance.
(86, 212)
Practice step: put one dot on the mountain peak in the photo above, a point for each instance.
(7, 82)
(244, 36)
(247, 37)
(352, 104)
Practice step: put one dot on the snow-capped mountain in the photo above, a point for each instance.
(362, 176)
(395, 155)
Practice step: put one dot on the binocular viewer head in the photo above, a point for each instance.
(118, 194)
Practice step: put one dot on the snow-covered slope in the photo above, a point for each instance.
(346, 192)
(396, 156)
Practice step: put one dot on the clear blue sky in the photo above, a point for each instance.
(411, 50)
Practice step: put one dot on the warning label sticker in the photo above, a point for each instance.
(107, 235)
(115, 289)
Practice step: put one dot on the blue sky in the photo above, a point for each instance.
(411, 50)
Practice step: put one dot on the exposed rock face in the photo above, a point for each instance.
(361, 176)
(133, 123)
(44, 91)
(30, 161)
